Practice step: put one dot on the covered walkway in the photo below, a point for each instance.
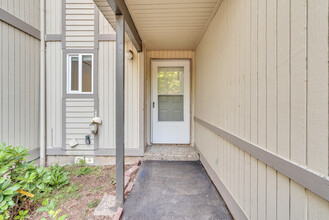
(174, 190)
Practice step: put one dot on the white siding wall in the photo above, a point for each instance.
(262, 74)
(19, 78)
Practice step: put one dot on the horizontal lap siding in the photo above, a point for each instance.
(77, 122)
(79, 20)
(19, 84)
(262, 74)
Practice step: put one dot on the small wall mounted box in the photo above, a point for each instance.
(89, 160)
(78, 159)
(73, 143)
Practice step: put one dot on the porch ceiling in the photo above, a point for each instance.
(168, 24)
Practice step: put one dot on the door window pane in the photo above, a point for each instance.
(171, 108)
(170, 80)
(86, 73)
(74, 73)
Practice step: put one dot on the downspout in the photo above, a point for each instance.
(42, 86)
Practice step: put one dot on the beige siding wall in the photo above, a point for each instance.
(53, 16)
(79, 113)
(133, 97)
(19, 78)
(163, 54)
(54, 94)
(262, 75)
(80, 23)
(104, 26)
(26, 10)
(80, 20)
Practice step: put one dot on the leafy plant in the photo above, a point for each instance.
(84, 171)
(22, 215)
(22, 182)
(49, 207)
(58, 176)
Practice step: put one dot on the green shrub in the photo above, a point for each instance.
(50, 209)
(21, 180)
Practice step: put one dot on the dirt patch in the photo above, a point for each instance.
(88, 184)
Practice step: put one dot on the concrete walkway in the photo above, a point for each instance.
(174, 190)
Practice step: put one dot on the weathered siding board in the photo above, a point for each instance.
(269, 87)
(19, 85)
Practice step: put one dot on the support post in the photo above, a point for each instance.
(120, 71)
(42, 119)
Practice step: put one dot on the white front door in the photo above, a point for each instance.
(170, 101)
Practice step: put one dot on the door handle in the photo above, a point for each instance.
(153, 104)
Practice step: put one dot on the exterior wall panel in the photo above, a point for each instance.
(79, 20)
(19, 80)
(54, 94)
(262, 75)
(26, 10)
(133, 96)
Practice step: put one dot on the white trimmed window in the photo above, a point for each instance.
(80, 74)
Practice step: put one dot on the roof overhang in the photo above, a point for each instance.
(111, 8)
(163, 24)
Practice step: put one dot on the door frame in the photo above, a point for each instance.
(189, 91)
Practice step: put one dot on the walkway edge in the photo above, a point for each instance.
(232, 205)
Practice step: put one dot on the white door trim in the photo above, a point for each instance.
(174, 132)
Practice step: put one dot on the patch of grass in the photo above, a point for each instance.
(94, 203)
(97, 190)
(82, 170)
(65, 194)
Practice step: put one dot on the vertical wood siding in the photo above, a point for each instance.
(54, 17)
(106, 94)
(19, 81)
(164, 54)
(104, 25)
(80, 23)
(26, 10)
(54, 94)
(262, 74)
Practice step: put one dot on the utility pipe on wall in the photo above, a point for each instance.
(42, 86)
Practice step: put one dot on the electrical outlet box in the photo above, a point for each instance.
(77, 159)
(89, 160)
